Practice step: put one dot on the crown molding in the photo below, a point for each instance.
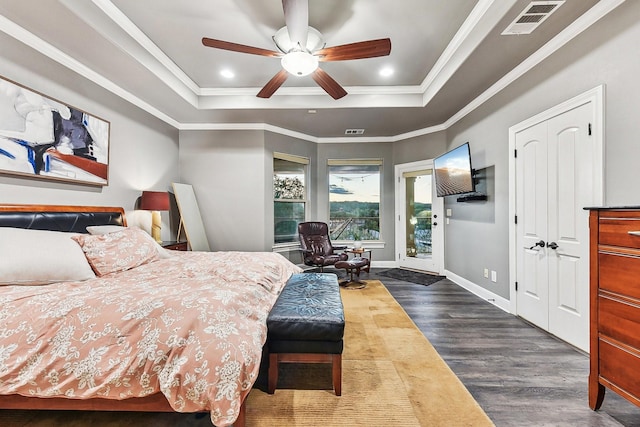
(481, 20)
(590, 17)
(399, 96)
(17, 32)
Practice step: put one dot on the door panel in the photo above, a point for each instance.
(568, 295)
(553, 185)
(533, 299)
(419, 211)
(571, 154)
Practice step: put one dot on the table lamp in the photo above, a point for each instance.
(155, 201)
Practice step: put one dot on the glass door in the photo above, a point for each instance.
(417, 234)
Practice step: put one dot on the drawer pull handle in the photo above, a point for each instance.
(634, 233)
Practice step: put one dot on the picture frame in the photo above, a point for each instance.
(43, 138)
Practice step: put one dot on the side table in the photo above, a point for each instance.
(175, 246)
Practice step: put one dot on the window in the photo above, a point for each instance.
(289, 196)
(354, 199)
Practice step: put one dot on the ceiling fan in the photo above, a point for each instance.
(302, 47)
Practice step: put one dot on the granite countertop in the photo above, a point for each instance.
(612, 208)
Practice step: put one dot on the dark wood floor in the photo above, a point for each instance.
(519, 374)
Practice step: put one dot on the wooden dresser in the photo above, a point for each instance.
(615, 303)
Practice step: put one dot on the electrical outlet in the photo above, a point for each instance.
(494, 276)
(448, 212)
(486, 273)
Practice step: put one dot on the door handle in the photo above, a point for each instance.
(435, 223)
(552, 245)
(540, 243)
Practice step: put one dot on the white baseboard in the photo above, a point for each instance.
(497, 300)
(384, 264)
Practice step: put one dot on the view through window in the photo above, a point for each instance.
(354, 199)
(289, 196)
(418, 197)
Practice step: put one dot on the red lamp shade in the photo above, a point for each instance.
(154, 201)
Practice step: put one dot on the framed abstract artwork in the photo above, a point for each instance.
(43, 138)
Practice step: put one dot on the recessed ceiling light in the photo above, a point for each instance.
(228, 74)
(386, 71)
(312, 111)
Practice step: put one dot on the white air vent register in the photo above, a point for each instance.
(532, 16)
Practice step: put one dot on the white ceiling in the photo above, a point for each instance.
(448, 57)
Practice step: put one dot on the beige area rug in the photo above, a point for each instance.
(392, 376)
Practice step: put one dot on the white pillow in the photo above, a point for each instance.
(38, 257)
(98, 230)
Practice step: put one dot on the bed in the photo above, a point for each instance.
(95, 315)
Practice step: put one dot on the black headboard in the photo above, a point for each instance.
(59, 218)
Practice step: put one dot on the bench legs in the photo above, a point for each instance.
(334, 359)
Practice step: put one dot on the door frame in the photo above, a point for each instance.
(437, 208)
(594, 96)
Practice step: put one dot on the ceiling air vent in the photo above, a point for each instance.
(354, 131)
(532, 16)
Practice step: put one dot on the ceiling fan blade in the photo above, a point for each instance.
(359, 50)
(273, 84)
(296, 17)
(235, 47)
(326, 82)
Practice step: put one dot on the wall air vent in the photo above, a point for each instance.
(354, 131)
(532, 16)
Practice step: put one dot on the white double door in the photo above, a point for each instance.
(554, 182)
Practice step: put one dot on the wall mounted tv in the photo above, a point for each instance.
(453, 172)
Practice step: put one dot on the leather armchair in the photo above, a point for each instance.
(316, 246)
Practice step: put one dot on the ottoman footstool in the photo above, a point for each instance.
(306, 325)
(353, 266)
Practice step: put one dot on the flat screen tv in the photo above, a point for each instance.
(453, 172)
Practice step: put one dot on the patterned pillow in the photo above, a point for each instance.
(104, 229)
(118, 251)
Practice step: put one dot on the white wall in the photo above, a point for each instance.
(143, 152)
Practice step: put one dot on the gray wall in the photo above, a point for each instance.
(143, 150)
(227, 170)
(424, 147)
(232, 176)
(607, 53)
(231, 170)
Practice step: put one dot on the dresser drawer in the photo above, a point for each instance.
(616, 228)
(619, 319)
(620, 367)
(620, 273)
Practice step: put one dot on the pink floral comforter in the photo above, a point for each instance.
(191, 327)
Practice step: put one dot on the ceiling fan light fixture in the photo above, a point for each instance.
(315, 40)
(299, 63)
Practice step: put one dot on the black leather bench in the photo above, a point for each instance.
(306, 325)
